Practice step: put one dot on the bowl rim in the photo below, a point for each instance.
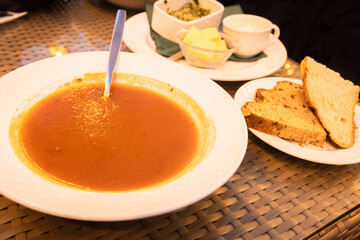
(233, 49)
(221, 9)
(244, 15)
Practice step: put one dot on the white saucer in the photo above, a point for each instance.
(137, 38)
(329, 154)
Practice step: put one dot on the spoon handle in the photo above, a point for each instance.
(114, 48)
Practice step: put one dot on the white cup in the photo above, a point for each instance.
(253, 32)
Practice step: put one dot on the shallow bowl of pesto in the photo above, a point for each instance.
(170, 16)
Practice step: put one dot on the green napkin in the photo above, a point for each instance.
(167, 48)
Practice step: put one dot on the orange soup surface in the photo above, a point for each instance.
(134, 139)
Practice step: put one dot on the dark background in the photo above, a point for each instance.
(326, 30)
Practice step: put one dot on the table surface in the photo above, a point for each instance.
(271, 196)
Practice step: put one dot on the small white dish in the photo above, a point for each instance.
(22, 185)
(254, 33)
(167, 26)
(329, 154)
(137, 38)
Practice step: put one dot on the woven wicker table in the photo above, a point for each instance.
(271, 196)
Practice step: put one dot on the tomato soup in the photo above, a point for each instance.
(134, 139)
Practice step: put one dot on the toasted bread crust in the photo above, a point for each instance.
(302, 136)
(333, 100)
(282, 112)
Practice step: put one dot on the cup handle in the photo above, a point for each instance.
(276, 33)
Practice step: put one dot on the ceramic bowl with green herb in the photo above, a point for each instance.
(170, 16)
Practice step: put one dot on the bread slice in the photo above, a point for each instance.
(283, 112)
(333, 99)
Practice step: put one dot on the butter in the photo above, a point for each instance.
(211, 34)
(203, 55)
(208, 38)
(193, 35)
(221, 45)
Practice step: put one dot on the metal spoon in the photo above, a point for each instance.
(114, 49)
